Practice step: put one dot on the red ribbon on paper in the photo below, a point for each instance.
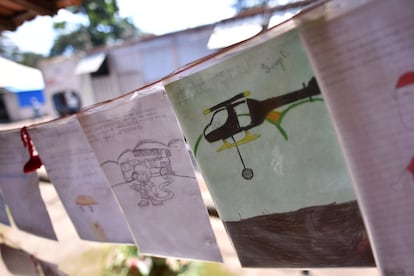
(410, 167)
(34, 162)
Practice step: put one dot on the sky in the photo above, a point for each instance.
(157, 17)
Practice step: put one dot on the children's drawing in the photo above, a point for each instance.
(147, 169)
(85, 201)
(156, 158)
(146, 187)
(404, 95)
(226, 122)
(287, 146)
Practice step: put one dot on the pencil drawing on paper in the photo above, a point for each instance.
(143, 183)
(241, 113)
(147, 169)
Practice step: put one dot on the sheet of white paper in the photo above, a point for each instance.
(366, 70)
(4, 218)
(21, 191)
(79, 181)
(20, 262)
(142, 152)
(264, 141)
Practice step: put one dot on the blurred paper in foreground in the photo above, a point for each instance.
(20, 262)
(366, 66)
(21, 191)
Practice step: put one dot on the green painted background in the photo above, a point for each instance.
(305, 169)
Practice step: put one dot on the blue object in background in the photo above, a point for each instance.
(25, 97)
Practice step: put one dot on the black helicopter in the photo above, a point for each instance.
(258, 112)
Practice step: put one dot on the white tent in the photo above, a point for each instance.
(18, 77)
(21, 91)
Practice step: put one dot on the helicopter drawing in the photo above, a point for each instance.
(226, 122)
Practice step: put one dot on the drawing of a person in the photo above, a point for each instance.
(145, 187)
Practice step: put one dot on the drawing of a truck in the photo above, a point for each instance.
(155, 158)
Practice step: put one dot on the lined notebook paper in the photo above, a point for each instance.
(79, 181)
(142, 152)
(21, 191)
(365, 66)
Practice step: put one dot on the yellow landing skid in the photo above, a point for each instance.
(246, 139)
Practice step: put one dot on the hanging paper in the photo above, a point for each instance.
(258, 126)
(79, 181)
(4, 218)
(143, 154)
(21, 190)
(20, 262)
(365, 64)
(34, 161)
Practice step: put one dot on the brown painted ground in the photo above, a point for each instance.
(319, 236)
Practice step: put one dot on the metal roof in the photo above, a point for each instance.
(251, 22)
(13, 13)
(90, 64)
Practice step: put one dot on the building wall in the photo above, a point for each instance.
(192, 46)
(12, 106)
(135, 65)
(59, 74)
(131, 66)
(126, 68)
(157, 58)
